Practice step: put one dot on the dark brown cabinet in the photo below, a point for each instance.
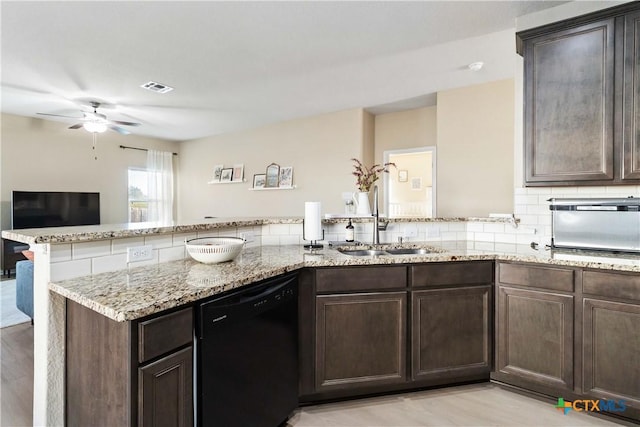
(535, 324)
(360, 339)
(451, 321)
(569, 104)
(611, 338)
(535, 336)
(578, 124)
(373, 329)
(358, 330)
(129, 373)
(569, 332)
(165, 391)
(631, 97)
(451, 332)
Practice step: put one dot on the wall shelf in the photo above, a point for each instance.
(293, 187)
(226, 182)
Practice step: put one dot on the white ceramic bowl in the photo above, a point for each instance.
(211, 250)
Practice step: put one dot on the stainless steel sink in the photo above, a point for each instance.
(408, 251)
(362, 252)
(390, 251)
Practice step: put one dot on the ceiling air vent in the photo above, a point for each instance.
(157, 87)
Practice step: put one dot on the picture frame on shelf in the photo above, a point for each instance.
(217, 172)
(259, 180)
(286, 177)
(226, 175)
(403, 175)
(238, 173)
(272, 176)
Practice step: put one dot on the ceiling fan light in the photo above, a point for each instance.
(94, 127)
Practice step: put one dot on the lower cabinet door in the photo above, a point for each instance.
(451, 332)
(535, 337)
(611, 343)
(360, 340)
(165, 391)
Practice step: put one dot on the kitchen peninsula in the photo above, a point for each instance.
(69, 261)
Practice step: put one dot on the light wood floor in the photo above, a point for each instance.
(16, 375)
(470, 405)
(484, 404)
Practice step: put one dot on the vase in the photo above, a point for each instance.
(361, 200)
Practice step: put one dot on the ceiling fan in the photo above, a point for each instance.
(95, 122)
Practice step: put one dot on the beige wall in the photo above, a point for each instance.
(318, 148)
(42, 155)
(476, 150)
(368, 138)
(403, 130)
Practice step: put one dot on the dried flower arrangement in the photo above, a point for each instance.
(365, 177)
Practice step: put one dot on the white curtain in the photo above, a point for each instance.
(160, 175)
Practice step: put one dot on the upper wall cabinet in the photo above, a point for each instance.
(581, 100)
(631, 97)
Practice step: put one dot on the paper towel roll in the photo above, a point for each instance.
(312, 221)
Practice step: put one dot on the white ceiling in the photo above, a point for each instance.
(238, 65)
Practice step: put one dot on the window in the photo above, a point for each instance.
(138, 195)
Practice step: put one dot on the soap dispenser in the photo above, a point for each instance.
(350, 232)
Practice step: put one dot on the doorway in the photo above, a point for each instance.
(410, 188)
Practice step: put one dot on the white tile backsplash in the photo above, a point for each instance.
(161, 241)
(279, 229)
(531, 208)
(484, 246)
(449, 235)
(119, 246)
(296, 229)
(475, 226)
(70, 269)
(484, 237)
(494, 228)
(154, 260)
(180, 238)
(207, 233)
(457, 226)
(61, 252)
(269, 240)
(172, 254)
(505, 237)
(505, 247)
(90, 249)
(290, 240)
(108, 263)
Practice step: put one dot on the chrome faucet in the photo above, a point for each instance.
(375, 214)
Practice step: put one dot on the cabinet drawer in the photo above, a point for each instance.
(452, 273)
(360, 278)
(612, 285)
(165, 333)
(556, 279)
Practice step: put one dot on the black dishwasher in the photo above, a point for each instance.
(247, 356)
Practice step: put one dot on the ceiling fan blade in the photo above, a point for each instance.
(78, 126)
(120, 130)
(59, 115)
(118, 122)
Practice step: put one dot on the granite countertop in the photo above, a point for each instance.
(131, 294)
(86, 233)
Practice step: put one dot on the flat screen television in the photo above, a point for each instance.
(35, 209)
